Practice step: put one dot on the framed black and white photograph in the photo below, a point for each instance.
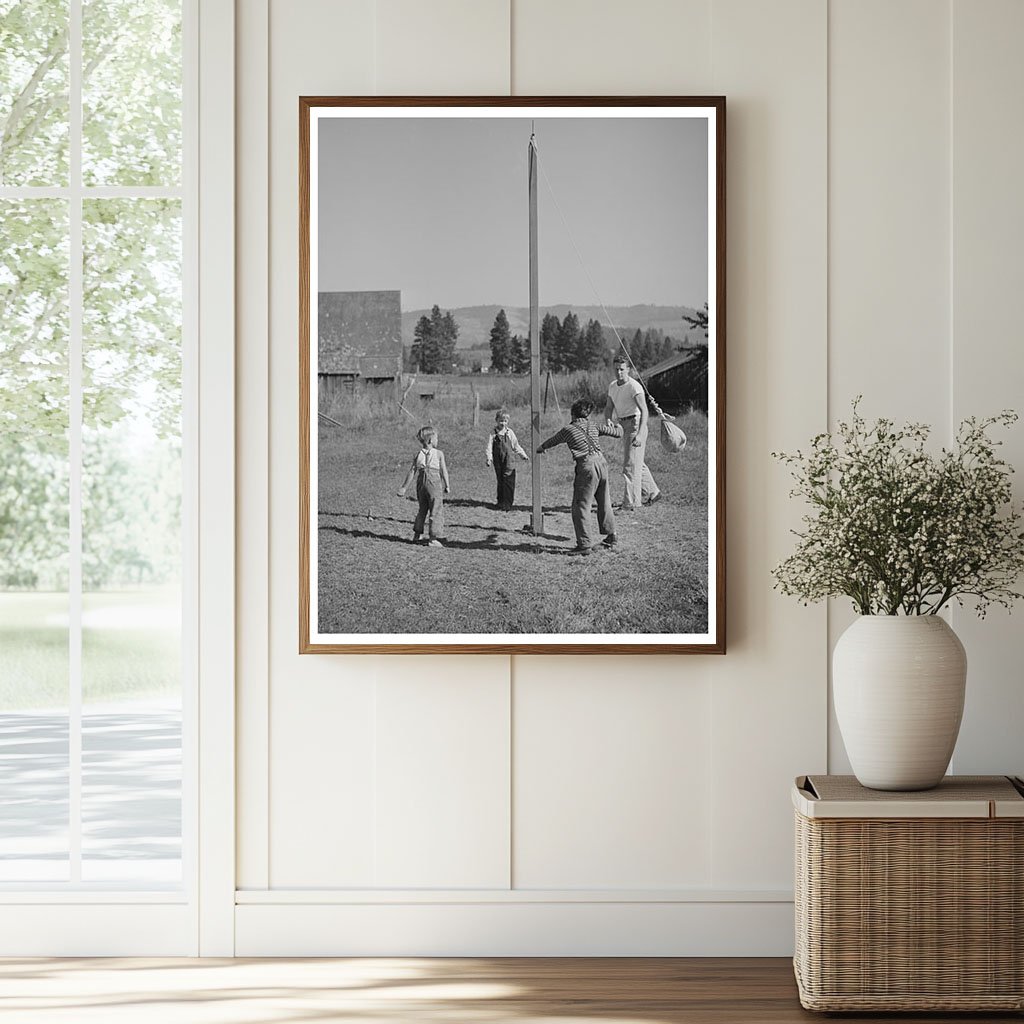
(512, 375)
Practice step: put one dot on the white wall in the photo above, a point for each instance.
(534, 805)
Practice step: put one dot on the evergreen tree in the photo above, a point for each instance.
(549, 341)
(649, 350)
(612, 347)
(501, 344)
(420, 344)
(449, 339)
(434, 339)
(520, 357)
(656, 336)
(591, 350)
(699, 320)
(636, 348)
(437, 340)
(566, 343)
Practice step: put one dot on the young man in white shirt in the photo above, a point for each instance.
(626, 399)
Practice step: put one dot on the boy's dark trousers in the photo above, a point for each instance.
(590, 482)
(430, 492)
(504, 470)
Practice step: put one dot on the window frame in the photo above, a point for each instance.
(72, 917)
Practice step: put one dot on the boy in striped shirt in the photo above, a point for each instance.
(591, 478)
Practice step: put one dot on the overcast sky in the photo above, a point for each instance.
(437, 207)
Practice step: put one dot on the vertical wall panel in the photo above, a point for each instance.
(322, 759)
(987, 366)
(769, 692)
(889, 251)
(612, 781)
(611, 756)
(442, 771)
(442, 800)
(889, 208)
(252, 192)
(215, 477)
(607, 48)
(321, 709)
(442, 48)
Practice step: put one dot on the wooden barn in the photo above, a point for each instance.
(680, 382)
(359, 340)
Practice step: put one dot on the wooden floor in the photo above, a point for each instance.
(381, 991)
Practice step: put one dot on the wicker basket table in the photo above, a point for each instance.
(910, 901)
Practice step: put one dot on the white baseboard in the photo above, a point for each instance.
(97, 929)
(521, 928)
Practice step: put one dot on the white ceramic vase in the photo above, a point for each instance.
(898, 684)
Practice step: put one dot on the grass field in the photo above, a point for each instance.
(130, 647)
(491, 576)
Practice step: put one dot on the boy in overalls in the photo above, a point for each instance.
(501, 448)
(431, 474)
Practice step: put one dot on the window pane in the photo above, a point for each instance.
(131, 92)
(131, 765)
(33, 92)
(33, 540)
(131, 541)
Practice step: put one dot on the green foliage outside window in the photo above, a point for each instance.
(131, 304)
(34, 76)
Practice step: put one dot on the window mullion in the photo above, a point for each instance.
(75, 334)
(94, 191)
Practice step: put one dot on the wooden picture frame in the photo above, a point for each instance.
(413, 213)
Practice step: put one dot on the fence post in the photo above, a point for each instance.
(405, 393)
(476, 406)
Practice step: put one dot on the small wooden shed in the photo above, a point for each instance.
(359, 340)
(681, 381)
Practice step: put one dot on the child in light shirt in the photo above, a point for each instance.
(500, 450)
(432, 483)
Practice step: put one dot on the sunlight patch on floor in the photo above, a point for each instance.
(220, 991)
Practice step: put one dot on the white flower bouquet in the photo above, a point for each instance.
(900, 530)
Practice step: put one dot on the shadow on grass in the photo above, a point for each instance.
(460, 545)
(361, 515)
(469, 503)
(476, 503)
(408, 523)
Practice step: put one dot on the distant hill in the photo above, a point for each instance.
(475, 322)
